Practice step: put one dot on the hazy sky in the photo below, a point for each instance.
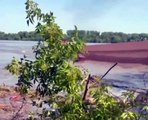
(129, 16)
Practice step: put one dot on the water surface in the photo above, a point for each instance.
(123, 75)
(8, 50)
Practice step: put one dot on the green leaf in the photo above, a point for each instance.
(28, 22)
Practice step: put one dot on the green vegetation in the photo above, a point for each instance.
(87, 36)
(20, 36)
(59, 83)
(108, 37)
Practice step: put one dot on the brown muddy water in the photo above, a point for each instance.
(122, 76)
(133, 76)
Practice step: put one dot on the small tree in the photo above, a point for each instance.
(58, 81)
(53, 70)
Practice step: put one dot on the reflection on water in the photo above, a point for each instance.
(132, 76)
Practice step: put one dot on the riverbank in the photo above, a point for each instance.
(15, 106)
(11, 104)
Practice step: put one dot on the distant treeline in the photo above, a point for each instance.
(87, 36)
(23, 35)
(108, 37)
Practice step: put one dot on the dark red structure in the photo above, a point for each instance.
(131, 52)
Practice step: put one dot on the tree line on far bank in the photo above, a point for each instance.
(23, 35)
(108, 37)
(87, 36)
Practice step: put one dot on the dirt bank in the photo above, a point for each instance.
(13, 106)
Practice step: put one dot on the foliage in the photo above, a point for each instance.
(58, 81)
(87, 36)
(108, 37)
(22, 35)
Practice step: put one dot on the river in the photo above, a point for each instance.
(8, 50)
(133, 76)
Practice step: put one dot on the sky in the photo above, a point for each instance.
(128, 16)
